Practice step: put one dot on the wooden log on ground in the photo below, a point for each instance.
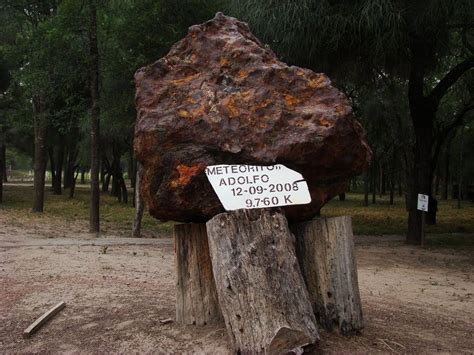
(325, 248)
(196, 296)
(261, 291)
(37, 324)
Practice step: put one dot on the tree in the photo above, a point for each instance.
(425, 44)
(5, 79)
(48, 53)
(94, 222)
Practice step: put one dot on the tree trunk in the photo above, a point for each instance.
(342, 197)
(72, 188)
(94, 222)
(383, 187)
(50, 151)
(106, 173)
(115, 172)
(392, 188)
(39, 165)
(460, 168)
(2, 165)
(68, 174)
(261, 291)
(83, 176)
(325, 248)
(422, 178)
(123, 189)
(374, 183)
(119, 188)
(446, 172)
(102, 172)
(106, 184)
(132, 169)
(71, 166)
(354, 184)
(3, 158)
(139, 207)
(57, 168)
(366, 189)
(400, 185)
(196, 295)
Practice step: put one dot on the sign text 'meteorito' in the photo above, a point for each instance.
(235, 169)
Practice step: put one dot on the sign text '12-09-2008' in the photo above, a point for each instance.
(250, 186)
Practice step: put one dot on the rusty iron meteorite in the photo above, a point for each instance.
(221, 97)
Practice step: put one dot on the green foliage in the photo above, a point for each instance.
(351, 38)
(17, 160)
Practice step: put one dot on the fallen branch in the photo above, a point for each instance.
(43, 319)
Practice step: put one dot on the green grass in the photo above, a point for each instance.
(115, 216)
(376, 219)
(452, 241)
(383, 218)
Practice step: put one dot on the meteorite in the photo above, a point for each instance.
(222, 97)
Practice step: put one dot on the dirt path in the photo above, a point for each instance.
(415, 301)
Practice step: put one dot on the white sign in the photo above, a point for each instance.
(250, 186)
(422, 202)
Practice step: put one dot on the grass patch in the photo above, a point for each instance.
(115, 216)
(376, 219)
(451, 241)
(383, 218)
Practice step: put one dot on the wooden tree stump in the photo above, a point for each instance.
(196, 296)
(261, 291)
(325, 248)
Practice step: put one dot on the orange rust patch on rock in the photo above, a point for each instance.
(247, 94)
(186, 173)
(183, 113)
(341, 109)
(290, 100)
(242, 74)
(190, 100)
(231, 107)
(186, 79)
(317, 82)
(325, 122)
(264, 103)
(223, 62)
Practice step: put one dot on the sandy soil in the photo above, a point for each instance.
(414, 301)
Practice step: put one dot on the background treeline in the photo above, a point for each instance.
(406, 66)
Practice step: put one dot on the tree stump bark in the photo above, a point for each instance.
(261, 291)
(325, 248)
(196, 296)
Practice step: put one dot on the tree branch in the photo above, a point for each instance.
(449, 80)
(461, 25)
(444, 133)
(466, 43)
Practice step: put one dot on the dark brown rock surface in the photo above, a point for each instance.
(221, 97)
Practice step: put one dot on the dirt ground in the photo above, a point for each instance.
(414, 300)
